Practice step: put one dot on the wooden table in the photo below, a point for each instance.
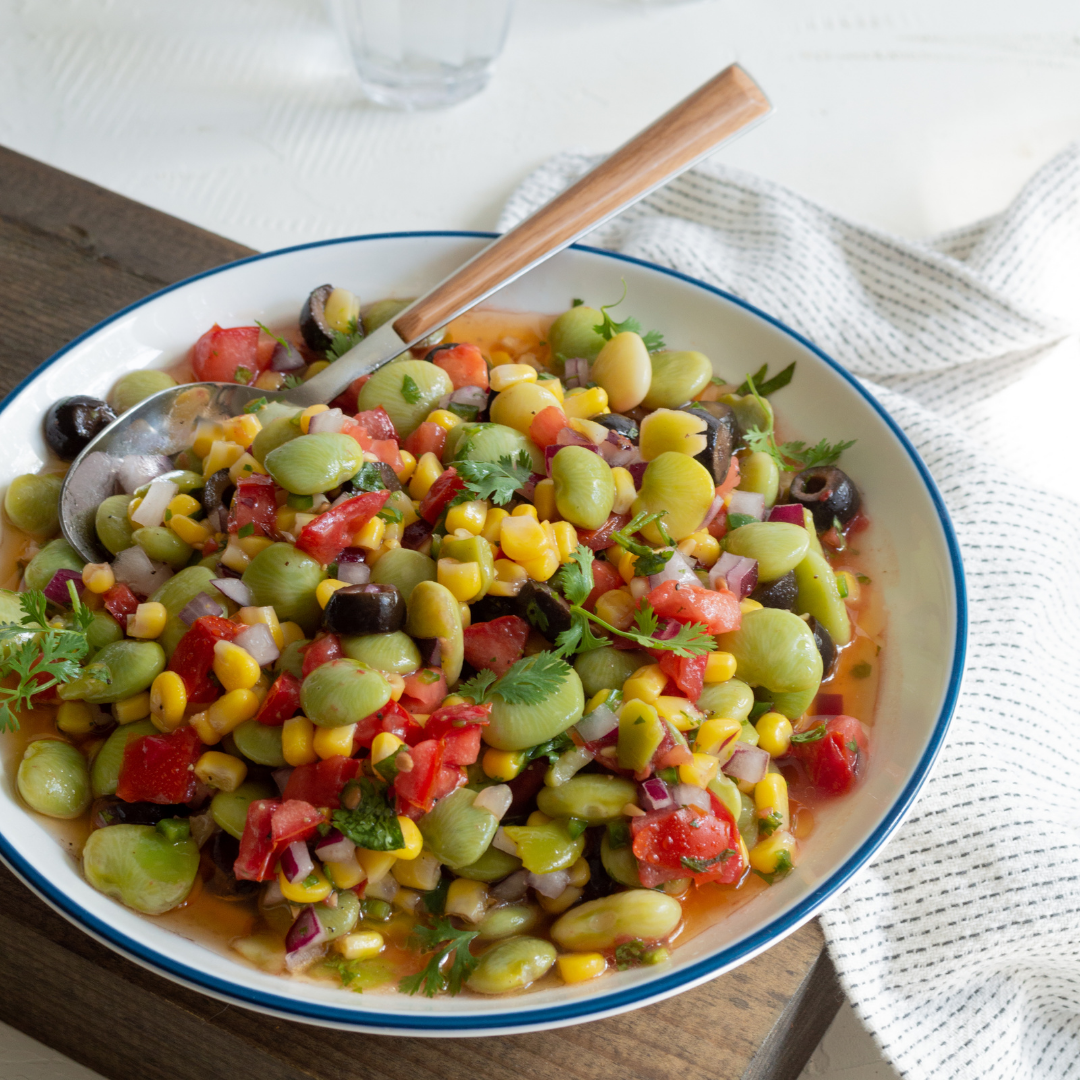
(71, 254)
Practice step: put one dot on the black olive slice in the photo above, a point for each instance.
(721, 436)
(824, 642)
(365, 609)
(313, 325)
(72, 422)
(827, 492)
(541, 606)
(778, 593)
(619, 423)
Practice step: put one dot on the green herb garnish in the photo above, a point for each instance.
(768, 824)
(783, 868)
(648, 561)
(528, 682)
(701, 866)
(341, 343)
(409, 390)
(494, 480)
(608, 328)
(765, 385)
(256, 405)
(246, 530)
(811, 735)
(373, 825)
(447, 943)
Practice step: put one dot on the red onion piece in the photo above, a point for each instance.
(575, 372)
(618, 451)
(637, 471)
(296, 863)
(677, 569)
(691, 795)
(714, 509)
(329, 422)
(286, 358)
(134, 568)
(666, 629)
(791, 513)
(597, 724)
(138, 469)
(335, 847)
(151, 511)
(738, 573)
(355, 573)
(551, 451)
(303, 942)
(655, 794)
(513, 887)
(549, 885)
(528, 489)
(199, 606)
(57, 589)
(234, 589)
(749, 763)
(750, 503)
(281, 777)
(258, 642)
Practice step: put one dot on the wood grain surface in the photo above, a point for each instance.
(70, 255)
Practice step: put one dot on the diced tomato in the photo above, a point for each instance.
(417, 786)
(688, 672)
(440, 493)
(386, 451)
(598, 539)
(293, 820)
(320, 783)
(463, 363)
(428, 438)
(194, 656)
(255, 504)
(346, 400)
(605, 578)
(322, 650)
(450, 778)
(719, 611)
(282, 702)
(377, 423)
(495, 645)
(663, 840)
(461, 747)
(731, 481)
(392, 718)
(332, 532)
(159, 768)
(833, 762)
(256, 859)
(424, 690)
(454, 718)
(120, 602)
(219, 353)
(546, 425)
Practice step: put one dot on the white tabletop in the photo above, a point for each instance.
(243, 117)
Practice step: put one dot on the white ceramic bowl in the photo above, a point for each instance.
(922, 583)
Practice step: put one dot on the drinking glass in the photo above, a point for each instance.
(422, 54)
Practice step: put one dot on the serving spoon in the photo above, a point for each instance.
(165, 423)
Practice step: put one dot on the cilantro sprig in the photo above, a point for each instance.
(608, 328)
(51, 657)
(649, 561)
(576, 581)
(810, 735)
(494, 480)
(446, 942)
(341, 343)
(765, 385)
(528, 682)
(373, 825)
(409, 390)
(791, 456)
(701, 866)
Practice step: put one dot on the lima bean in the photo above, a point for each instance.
(596, 798)
(778, 546)
(260, 743)
(404, 569)
(394, 652)
(517, 727)
(407, 405)
(163, 545)
(677, 377)
(584, 486)
(608, 668)
(312, 464)
(759, 472)
(105, 771)
(620, 863)
(731, 700)
(680, 486)
(573, 334)
(456, 832)
(33, 503)
(274, 434)
(55, 555)
(434, 613)
(489, 442)
(137, 386)
(132, 667)
(113, 526)
(53, 779)
(342, 692)
(11, 614)
(623, 369)
(501, 922)
(819, 596)
(229, 808)
(548, 847)
(600, 924)
(286, 578)
(339, 920)
(513, 964)
(493, 865)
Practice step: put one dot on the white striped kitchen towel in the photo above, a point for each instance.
(960, 945)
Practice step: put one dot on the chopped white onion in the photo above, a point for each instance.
(257, 641)
(496, 798)
(677, 569)
(513, 887)
(303, 957)
(597, 724)
(138, 469)
(355, 573)
(272, 894)
(502, 842)
(737, 573)
(234, 589)
(567, 765)
(750, 503)
(151, 511)
(386, 888)
(639, 587)
(202, 827)
(331, 421)
(691, 795)
(549, 885)
(134, 568)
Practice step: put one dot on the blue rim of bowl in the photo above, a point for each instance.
(581, 1010)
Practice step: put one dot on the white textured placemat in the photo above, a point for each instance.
(960, 946)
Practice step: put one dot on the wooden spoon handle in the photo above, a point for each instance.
(679, 139)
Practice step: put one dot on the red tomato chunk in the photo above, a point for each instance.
(719, 611)
(160, 768)
(496, 645)
(194, 657)
(221, 355)
(709, 844)
(833, 761)
(282, 702)
(321, 783)
(332, 532)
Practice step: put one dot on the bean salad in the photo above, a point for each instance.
(505, 667)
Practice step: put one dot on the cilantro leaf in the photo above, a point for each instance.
(256, 405)
(765, 385)
(391, 516)
(649, 561)
(768, 824)
(701, 866)
(341, 343)
(446, 942)
(784, 867)
(409, 390)
(553, 749)
(479, 687)
(608, 328)
(369, 478)
(811, 735)
(532, 679)
(494, 480)
(292, 381)
(373, 824)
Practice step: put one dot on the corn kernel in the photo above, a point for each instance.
(298, 741)
(408, 466)
(428, 470)
(252, 545)
(580, 967)
(234, 556)
(75, 718)
(183, 504)
(331, 742)
(580, 873)
(525, 510)
(326, 588)
(148, 621)
(594, 432)
(617, 607)
(384, 745)
(645, 684)
(168, 701)
(749, 605)
(133, 708)
(241, 429)
(314, 369)
(849, 586)
(270, 380)
(191, 532)
(308, 413)
(625, 492)
(702, 546)
(493, 524)
(235, 667)
(566, 540)
(206, 434)
(597, 700)
(767, 855)
(503, 765)
(421, 873)
(221, 771)
(718, 736)
(503, 376)
(132, 507)
(310, 890)
(376, 864)
(290, 632)
(222, 455)
(98, 577)
(243, 467)
(537, 818)
(500, 357)
(467, 899)
(397, 685)
(362, 945)
(544, 500)
(679, 711)
(226, 714)
(625, 566)
(774, 733)
(699, 771)
(509, 578)
(346, 874)
(771, 793)
(265, 616)
(554, 387)
(444, 418)
(463, 579)
(556, 905)
(719, 667)
(469, 516)
(544, 566)
(262, 687)
(414, 840)
(371, 535)
(583, 404)
(522, 538)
